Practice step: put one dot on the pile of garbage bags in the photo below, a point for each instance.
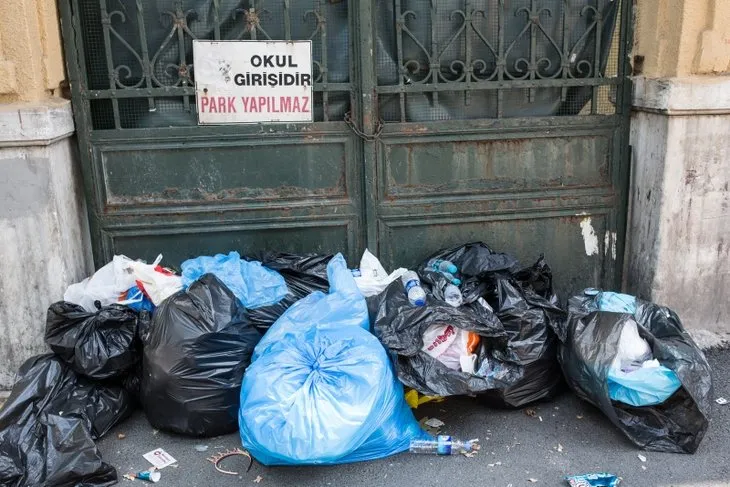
(498, 343)
(308, 359)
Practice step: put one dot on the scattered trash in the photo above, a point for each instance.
(253, 284)
(50, 421)
(151, 475)
(121, 436)
(373, 278)
(560, 448)
(579, 416)
(443, 445)
(540, 418)
(201, 448)
(643, 467)
(721, 401)
(159, 458)
(530, 412)
(415, 399)
(324, 337)
(593, 480)
(431, 425)
(532, 480)
(258, 479)
(219, 457)
(678, 424)
(641, 457)
(198, 346)
(435, 423)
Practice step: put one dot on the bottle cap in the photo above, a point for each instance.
(452, 269)
(420, 302)
(456, 282)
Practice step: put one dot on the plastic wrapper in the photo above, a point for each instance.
(303, 274)
(401, 328)
(593, 480)
(676, 425)
(525, 305)
(373, 277)
(98, 345)
(49, 423)
(320, 389)
(195, 352)
(253, 284)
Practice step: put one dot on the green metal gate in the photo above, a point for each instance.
(436, 123)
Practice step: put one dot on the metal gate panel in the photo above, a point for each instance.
(503, 121)
(157, 182)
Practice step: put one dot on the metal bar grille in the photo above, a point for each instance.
(554, 52)
(139, 64)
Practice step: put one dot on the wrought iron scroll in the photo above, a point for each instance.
(432, 71)
(166, 70)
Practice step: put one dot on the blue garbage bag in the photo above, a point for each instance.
(137, 300)
(647, 386)
(253, 284)
(320, 388)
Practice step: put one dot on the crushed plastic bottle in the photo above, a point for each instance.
(452, 295)
(442, 445)
(416, 294)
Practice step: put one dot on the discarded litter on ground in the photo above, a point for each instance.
(159, 458)
(593, 480)
(286, 349)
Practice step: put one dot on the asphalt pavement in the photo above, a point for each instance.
(564, 437)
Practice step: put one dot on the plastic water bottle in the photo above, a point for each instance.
(445, 268)
(440, 265)
(416, 294)
(442, 445)
(452, 295)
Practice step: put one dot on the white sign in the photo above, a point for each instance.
(159, 458)
(253, 81)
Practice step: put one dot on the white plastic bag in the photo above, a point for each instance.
(633, 350)
(374, 279)
(157, 285)
(105, 286)
(450, 346)
(108, 283)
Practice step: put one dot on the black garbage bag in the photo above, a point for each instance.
(590, 340)
(49, 424)
(98, 345)
(400, 327)
(524, 302)
(304, 274)
(197, 347)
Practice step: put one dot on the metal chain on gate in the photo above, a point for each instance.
(368, 138)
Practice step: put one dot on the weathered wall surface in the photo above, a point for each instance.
(44, 242)
(679, 226)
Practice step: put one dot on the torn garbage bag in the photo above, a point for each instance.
(98, 345)
(320, 389)
(253, 284)
(303, 274)
(195, 352)
(416, 336)
(49, 423)
(678, 423)
(525, 304)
